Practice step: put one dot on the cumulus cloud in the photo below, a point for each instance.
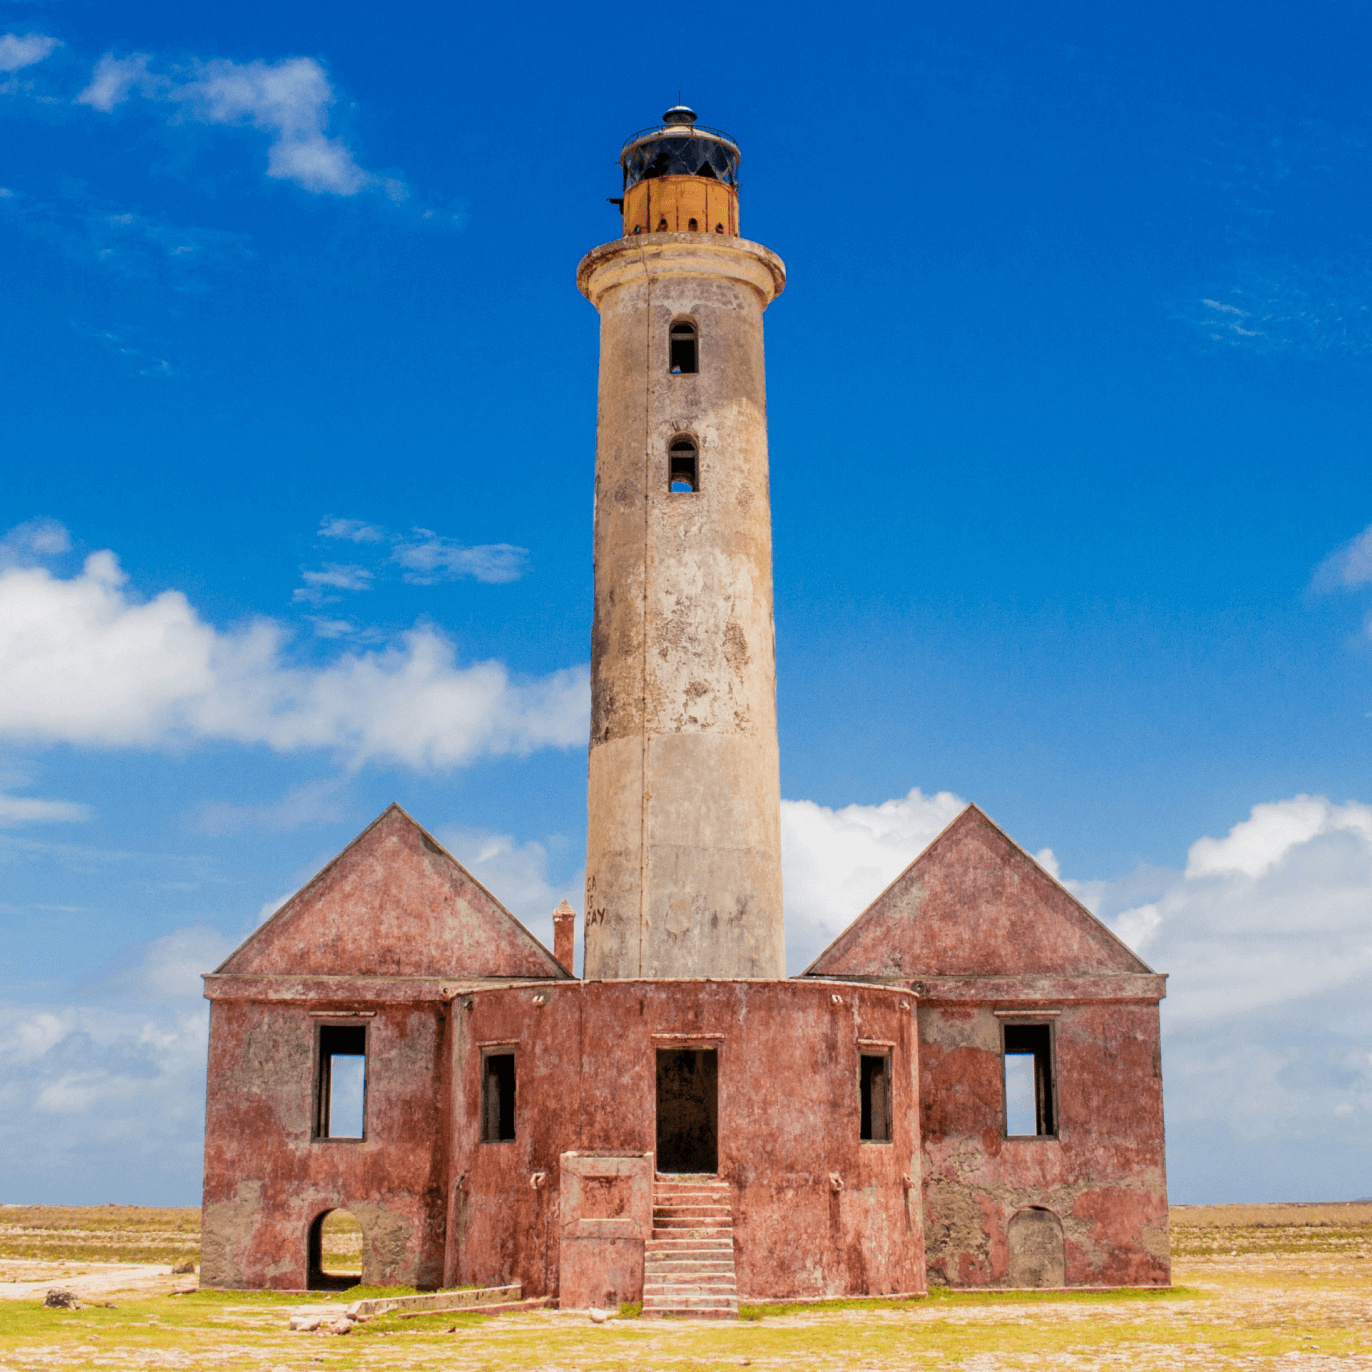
(24, 50)
(1278, 911)
(430, 558)
(288, 100)
(104, 1099)
(520, 875)
(86, 662)
(1266, 935)
(835, 862)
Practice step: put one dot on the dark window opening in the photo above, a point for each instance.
(498, 1098)
(683, 473)
(1029, 1107)
(719, 228)
(341, 1077)
(687, 1110)
(876, 1098)
(692, 225)
(706, 170)
(662, 226)
(681, 357)
(335, 1252)
(638, 228)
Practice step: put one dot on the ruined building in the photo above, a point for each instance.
(686, 1125)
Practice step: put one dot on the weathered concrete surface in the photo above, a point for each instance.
(977, 927)
(394, 903)
(605, 1220)
(267, 1178)
(1103, 1175)
(789, 1114)
(684, 848)
(974, 902)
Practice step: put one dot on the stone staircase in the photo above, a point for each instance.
(689, 1261)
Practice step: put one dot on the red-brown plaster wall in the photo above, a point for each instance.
(975, 903)
(394, 903)
(788, 1118)
(1103, 1175)
(267, 1179)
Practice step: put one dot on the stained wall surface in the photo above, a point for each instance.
(985, 937)
(788, 1124)
(267, 1177)
(394, 902)
(684, 842)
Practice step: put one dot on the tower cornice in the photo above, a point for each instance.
(680, 254)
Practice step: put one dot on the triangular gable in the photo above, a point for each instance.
(394, 903)
(974, 903)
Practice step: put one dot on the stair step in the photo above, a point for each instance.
(689, 1260)
(721, 1262)
(723, 1285)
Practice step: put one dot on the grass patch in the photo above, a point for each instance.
(942, 1295)
(437, 1322)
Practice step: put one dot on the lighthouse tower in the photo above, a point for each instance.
(683, 864)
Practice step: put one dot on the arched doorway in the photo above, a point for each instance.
(335, 1261)
(1036, 1250)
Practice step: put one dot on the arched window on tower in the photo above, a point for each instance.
(682, 359)
(683, 466)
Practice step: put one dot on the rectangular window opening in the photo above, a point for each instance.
(498, 1097)
(683, 350)
(341, 1098)
(876, 1098)
(1029, 1106)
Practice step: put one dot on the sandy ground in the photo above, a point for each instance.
(1302, 1313)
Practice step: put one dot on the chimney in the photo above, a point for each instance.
(564, 936)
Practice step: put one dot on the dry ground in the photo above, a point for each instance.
(1258, 1287)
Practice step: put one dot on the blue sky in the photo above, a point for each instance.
(1069, 409)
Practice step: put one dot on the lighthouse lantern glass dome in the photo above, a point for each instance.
(677, 151)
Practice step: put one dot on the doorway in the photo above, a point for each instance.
(687, 1110)
(335, 1252)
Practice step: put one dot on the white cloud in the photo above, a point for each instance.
(431, 558)
(289, 100)
(517, 874)
(835, 862)
(1267, 937)
(101, 1097)
(334, 575)
(29, 810)
(116, 78)
(23, 50)
(354, 530)
(85, 662)
(1279, 910)
(1346, 567)
(30, 543)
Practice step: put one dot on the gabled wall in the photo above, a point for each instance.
(394, 903)
(383, 937)
(984, 936)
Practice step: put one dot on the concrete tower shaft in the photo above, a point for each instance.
(683, 865)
